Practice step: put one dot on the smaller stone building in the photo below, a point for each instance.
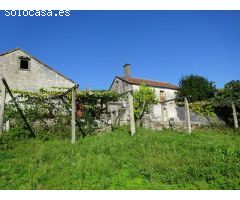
(161, 112)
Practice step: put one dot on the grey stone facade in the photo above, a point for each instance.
(24, 72)
(160, 112)
(39, 75)
(162, 115)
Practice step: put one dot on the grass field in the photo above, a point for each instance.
(206, 159)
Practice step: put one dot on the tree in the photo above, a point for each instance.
(144, 98)
(198, 87)
(231, 92)
(226, 98)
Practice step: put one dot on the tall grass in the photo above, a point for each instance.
(206, 159)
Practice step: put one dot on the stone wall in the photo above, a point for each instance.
(38, 76)
(197, 120)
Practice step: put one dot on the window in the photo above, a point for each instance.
(162, 95)
(24, 63)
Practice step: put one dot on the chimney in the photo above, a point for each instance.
(127, 73)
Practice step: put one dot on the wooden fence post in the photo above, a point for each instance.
(131, 113)
(235, 119)
(2, 105)
(73, 115)
(18, 108)
(187, 116)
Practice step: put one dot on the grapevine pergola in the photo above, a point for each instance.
(71, 101)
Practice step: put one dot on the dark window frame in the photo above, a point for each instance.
(24, 59)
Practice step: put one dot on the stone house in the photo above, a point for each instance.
(23, 71)
(161, 112)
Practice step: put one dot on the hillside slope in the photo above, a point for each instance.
(205, 159)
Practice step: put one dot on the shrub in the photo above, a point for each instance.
(5, 143)
(205, 108)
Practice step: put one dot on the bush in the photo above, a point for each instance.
(237, 131)
(225, 113)
(5, 143)
(204, 108)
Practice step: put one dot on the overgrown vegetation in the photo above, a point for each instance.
(144, 98)
(230, 93)
(224, 99)
(206, 159)
(206, 100)
(48, 111)
(205, 108)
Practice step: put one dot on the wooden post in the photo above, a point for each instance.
(2, 105)
(235, 119)
(131, 113)
(73, 115)
(187, 116)
(18, 108)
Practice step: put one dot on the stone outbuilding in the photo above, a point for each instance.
(23, 71)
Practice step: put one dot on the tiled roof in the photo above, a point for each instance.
(138, 81)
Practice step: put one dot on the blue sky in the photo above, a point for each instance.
(91, 47)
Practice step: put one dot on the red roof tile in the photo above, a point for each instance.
(138, 81)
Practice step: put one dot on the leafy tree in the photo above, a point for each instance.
(230, 93)
(226, 98)
(144, 98)
(198, 87)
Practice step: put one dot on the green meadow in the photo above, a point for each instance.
(154, 160)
